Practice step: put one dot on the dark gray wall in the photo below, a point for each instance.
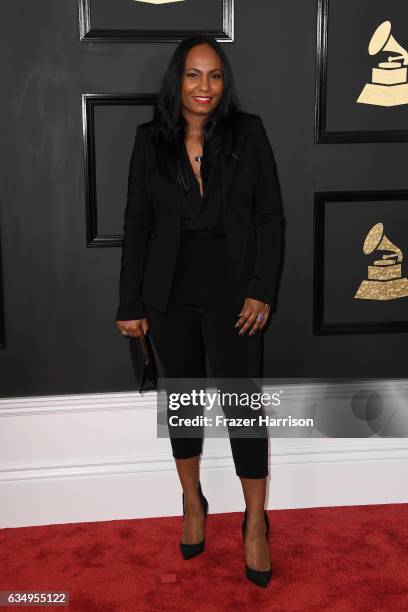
(60, 297)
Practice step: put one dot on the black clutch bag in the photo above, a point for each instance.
(144, 363)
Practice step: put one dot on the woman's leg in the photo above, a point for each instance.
(234, 356)
(177, 338)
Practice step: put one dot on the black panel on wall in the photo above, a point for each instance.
(136, 21)
(345, 64)
(2, 331)
(60, 297)
(346, 298)
(101, 180)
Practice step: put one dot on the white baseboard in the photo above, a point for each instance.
(96, 457)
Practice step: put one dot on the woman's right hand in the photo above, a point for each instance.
(133, 328)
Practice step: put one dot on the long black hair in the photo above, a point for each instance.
(169, 123)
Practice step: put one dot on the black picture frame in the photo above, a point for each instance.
(321, 200)
(2, 326)
(321, 135)
(90, 34)
(89, 101)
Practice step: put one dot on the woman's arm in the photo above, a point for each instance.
(269, 218)
(138, 223)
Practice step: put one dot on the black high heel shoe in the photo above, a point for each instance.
(260, 578)
(192, 550)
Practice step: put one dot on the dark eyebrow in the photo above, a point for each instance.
(213, 70)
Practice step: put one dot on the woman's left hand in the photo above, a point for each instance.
(249, 313)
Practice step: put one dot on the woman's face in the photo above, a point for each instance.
(203, 83)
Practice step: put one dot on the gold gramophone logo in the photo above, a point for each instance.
(158, 1)
(388, 85)
(384, 277)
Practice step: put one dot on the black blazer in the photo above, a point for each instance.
(252, 214)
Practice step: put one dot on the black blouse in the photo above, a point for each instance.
(201, 276)
(201, 213)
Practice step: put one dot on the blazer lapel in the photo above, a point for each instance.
(228, 167)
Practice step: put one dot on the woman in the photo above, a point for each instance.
(202, 243)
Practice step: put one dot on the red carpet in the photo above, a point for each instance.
(337, 559)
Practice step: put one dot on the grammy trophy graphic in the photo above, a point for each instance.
(388, 85)
(158, 1)
(384, 277)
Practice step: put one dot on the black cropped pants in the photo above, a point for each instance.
(182, 336)
(199, 321)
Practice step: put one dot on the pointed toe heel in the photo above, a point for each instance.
(189, 551)
(260, 578)
(257, 577)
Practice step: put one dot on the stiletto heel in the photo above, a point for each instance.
(260, 578)
(192, 550)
